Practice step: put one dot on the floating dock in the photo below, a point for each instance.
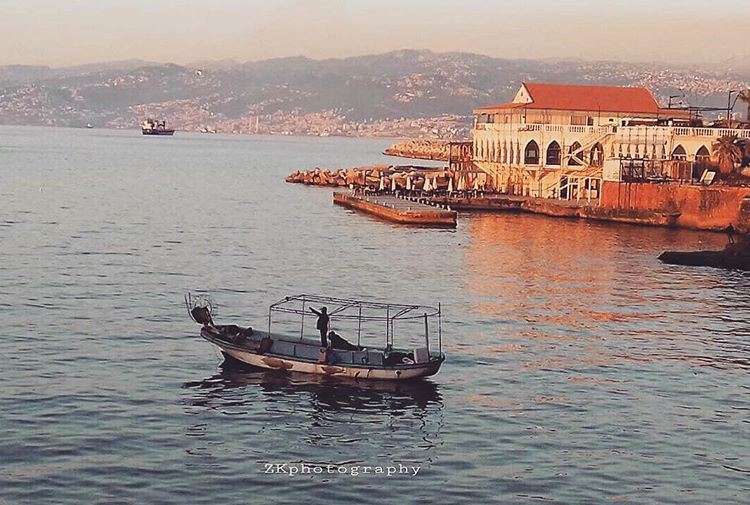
(397, 210)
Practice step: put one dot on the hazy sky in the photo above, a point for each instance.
(65, 32)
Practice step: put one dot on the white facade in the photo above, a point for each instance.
(565, 153)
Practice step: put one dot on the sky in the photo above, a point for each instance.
(71, 32)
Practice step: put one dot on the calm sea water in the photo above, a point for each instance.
(580, 369)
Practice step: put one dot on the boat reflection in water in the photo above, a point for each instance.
(295, 417)
(326, 394)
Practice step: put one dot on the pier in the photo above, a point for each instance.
(641, 202)
(397, 210)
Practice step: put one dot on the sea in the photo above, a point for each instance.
(579, 370)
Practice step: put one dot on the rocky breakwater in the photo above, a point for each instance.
(358, 176)
(420, 149)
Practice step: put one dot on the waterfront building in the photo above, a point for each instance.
(566, 142)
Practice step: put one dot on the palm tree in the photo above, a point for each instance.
(744, 95)
(727, 153)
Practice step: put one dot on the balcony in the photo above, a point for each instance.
(509, 128)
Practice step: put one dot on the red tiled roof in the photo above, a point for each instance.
(586, 98)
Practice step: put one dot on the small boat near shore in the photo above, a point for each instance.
(285, 347)
(734, 256)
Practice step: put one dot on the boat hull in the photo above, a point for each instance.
(157, 132)
(271, 361)
(716, 259)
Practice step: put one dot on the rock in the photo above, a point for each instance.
(421, 149)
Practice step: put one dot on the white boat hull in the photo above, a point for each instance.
(281, 363)
(286, 363)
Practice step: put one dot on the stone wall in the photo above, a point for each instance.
(701, 207)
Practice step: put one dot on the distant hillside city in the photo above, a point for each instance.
(416, 94)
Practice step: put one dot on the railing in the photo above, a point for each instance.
(622, 131)
(580, 129)
(538, 127)
(686, 131)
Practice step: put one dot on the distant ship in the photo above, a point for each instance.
(151, 127)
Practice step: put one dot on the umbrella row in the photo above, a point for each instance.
(390, 178)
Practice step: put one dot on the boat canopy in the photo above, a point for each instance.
(347, 308)
(359, 311)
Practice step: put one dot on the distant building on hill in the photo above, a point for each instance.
(565, 141)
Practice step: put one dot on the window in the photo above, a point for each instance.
(531, 153)
(574, 162)
(553, 153)
(597, 155)
(578, 120)
(702, 156)
(535, 118)
(679, 153)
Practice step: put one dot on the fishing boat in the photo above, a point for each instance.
(731, 258)
(284, 344)
(153, 127)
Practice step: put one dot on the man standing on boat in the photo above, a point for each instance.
(730, 233)
(322, 324)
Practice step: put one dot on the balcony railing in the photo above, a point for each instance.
(710, 132)
(538, 127)
(635, 132)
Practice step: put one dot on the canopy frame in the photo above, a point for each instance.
(341, 308)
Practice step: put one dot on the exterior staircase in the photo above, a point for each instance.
(579, 173)
(589, 141)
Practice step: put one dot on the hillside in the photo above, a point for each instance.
(403, 93)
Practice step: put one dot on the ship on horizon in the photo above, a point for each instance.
(155, 127)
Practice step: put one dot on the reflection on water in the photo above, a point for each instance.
(589, 284)
(325, 394)
(385, 421)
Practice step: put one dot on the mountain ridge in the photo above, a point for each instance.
(399, 93)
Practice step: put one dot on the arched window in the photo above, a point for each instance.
(553, 153)
(574, 162)
(679, 153)
(702, 156)
(531, 153)
(597, 155)
(702, 161)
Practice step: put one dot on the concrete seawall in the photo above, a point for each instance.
(556, 208)
(691, 206)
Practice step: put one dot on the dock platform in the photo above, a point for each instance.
(397, 210)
